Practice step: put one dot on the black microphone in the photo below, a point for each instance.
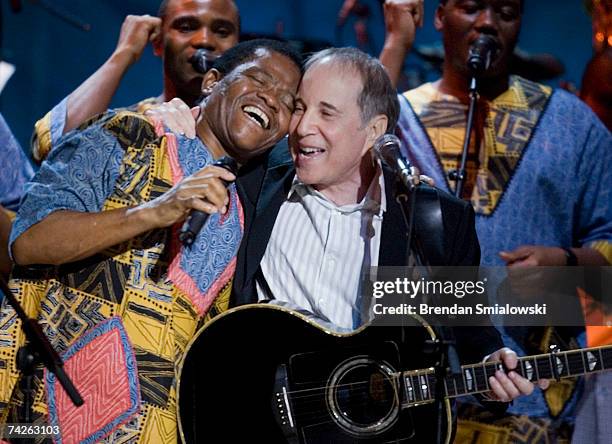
(387, 148)
(202, 60)
(481, 54)
(196, 219)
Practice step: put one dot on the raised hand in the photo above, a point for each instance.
(136, 32)
(402, 17)
(401, 20)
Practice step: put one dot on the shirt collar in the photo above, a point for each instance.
(374, 200)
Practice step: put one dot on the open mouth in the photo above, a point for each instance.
(257, 115)
(310, 151)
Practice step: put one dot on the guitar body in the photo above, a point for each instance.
(262, 373)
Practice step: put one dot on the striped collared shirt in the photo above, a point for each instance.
(318, 252)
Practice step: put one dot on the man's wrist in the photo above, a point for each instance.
(398, 43)
(122, 58)
(143, 216)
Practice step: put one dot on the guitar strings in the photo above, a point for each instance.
(302, 404)
(324, 388)
(302, 413)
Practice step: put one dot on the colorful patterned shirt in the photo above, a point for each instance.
(48, 130)
(538, 174)
(122, 318)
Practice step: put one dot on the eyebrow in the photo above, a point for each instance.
(329, 106)
(270, 78)
(190, 18)
(184, 18)
(223, 22)
(258, 70)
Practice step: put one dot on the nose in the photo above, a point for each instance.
(304, 124)
(270, 95)
(486, 22)
(204, 39)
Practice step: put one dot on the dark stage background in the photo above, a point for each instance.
(52, 57)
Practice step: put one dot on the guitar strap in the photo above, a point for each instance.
(428, 234)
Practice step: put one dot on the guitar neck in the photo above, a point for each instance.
(419, 385)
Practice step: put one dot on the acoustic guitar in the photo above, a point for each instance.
(263, 373)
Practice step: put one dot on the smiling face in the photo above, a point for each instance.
(248, 111)
(463, 21)
(189, 25)
(327, 136)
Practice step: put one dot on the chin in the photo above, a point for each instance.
(308, 179)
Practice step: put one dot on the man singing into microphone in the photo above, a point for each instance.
(536, 171)
(125, 298)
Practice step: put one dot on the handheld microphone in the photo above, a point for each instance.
(202, 60)
(196, 219)
(387, 149)
(481, 54)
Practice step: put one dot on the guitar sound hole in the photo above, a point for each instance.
(362, 396)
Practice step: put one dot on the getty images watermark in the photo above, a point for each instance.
(456, 296)
(426, 289)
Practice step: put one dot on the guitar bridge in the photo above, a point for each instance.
(281, 404)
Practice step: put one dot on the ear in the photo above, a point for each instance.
(439, 18)
(210, 79)
(377, 126)
(158, 45)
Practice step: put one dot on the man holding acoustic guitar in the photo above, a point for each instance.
(323, 216)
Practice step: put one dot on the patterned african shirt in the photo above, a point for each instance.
(538, 173)
(122, 318)
(49, 129)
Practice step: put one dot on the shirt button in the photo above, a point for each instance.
(321, 303)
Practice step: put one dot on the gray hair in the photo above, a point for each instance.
(378, 96)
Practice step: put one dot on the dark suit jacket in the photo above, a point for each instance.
(264, 187)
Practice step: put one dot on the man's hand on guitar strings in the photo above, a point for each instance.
(508, 386)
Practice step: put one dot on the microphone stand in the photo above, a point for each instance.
(459, 176)
(38, 350)
(443, 346)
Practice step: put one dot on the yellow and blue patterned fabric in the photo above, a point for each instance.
(538, 174)
(122, 318)
(49, 129)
